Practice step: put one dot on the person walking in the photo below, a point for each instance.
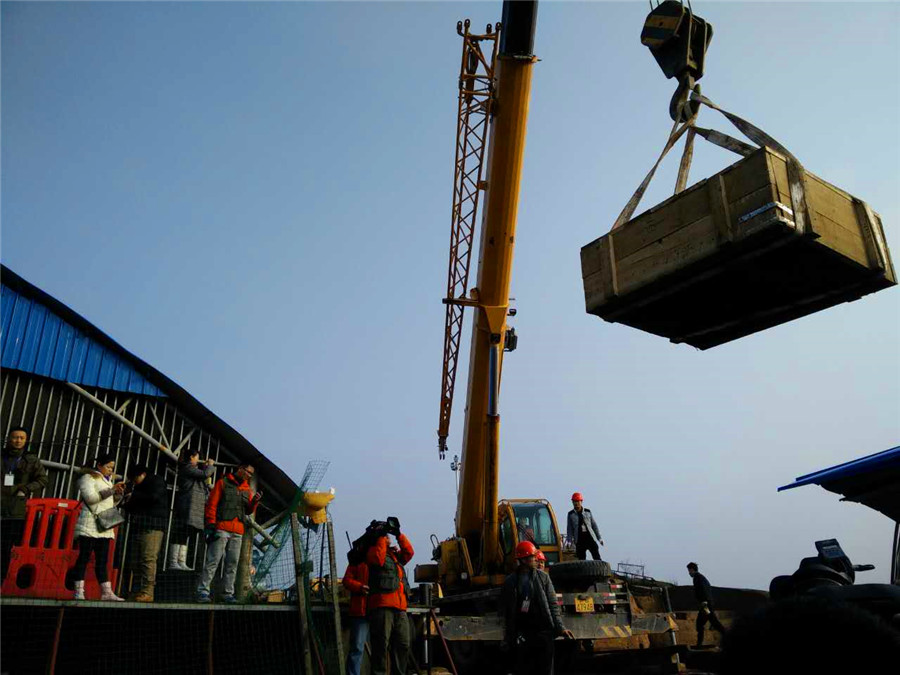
(388, 599)
(149, 510)
(356, 581)
(190, 505)
(532, 620)
(230, 501)
(98, 494)
(23, 477)
(582, 530)
(706, 612)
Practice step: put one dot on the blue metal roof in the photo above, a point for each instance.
(873, 481)
(35, 339)
(41, 335)
(880, 460)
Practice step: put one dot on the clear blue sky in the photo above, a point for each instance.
(255, 199)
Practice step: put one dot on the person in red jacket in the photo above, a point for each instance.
(387, 601)
(356, 581)
(230, 501)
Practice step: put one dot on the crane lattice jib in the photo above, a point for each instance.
(476, 86)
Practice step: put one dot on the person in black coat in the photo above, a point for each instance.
(531, 616)
(147, 505)
(706, 612)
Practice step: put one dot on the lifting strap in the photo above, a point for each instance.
(691, 106)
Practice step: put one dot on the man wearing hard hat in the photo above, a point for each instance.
(532, 620)
(582, 530)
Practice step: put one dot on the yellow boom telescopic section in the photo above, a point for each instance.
(477, 507)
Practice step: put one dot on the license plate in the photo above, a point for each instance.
(586, 605)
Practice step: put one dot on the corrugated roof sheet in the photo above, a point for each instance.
(873, 480)
(35, 340)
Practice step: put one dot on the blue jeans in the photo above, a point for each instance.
(224, 545)
(359, 634)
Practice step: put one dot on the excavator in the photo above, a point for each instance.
(468, 569)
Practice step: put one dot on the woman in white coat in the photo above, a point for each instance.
(98, 494)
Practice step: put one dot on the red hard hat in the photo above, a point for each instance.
(540, 555)
(576, 497)
(525, 549)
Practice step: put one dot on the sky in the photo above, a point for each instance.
(255, 199)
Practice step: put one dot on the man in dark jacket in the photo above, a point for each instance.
(149, 511)
(705, 613)
(582, 530)
(23, 477)
(532, 620)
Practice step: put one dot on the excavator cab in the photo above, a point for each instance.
(528, 520)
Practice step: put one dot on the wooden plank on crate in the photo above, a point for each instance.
(719, 208)
(842, 240)
(746, 176)
(832, 204)
(779, 173)
(687, 245)
(660, 222)
(748, 204)
(598, 268)
(870, 226)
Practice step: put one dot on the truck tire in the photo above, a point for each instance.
(579, 574)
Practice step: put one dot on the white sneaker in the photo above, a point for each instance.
(108, 594)
(79, 590)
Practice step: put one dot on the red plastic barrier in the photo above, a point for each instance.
(39, 564)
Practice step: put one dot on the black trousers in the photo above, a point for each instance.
(11, 530)
(583, 545)
(712, 619)
(99, 546)
(534, 654)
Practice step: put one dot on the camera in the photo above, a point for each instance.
(831, 575)
(384, 527)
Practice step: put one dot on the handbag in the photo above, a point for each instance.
(106, 520)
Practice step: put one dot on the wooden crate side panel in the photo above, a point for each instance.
(835, 220)
(597, 270)
(747, 204)
(779, 172)
(661, 221)
(747, 176)
(691, 243)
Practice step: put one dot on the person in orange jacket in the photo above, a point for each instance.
(230, 501)
(387, 601)
(356, 581)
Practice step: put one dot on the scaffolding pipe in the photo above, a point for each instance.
(128, 423)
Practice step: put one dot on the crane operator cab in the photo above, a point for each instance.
(528, 520)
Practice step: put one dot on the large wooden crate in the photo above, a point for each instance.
(726, 258)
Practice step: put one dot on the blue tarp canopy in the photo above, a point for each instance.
(873, 481)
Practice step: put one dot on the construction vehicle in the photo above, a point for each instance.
(469, 568)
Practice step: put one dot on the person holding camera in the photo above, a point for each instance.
(148, 507)
(531, 613)
(388, 597)
(230, 501)
(190, 505)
